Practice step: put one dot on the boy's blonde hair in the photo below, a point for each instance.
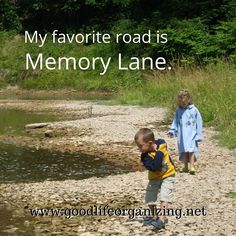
(185, 94)
(146, 134)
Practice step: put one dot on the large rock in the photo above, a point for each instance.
(48, 133)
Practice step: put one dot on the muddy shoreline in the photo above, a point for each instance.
(67, 135)
(87, 127)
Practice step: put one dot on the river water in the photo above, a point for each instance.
(22, 164)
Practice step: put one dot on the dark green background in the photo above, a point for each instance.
(198, 31)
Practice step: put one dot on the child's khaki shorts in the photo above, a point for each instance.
(160, 188)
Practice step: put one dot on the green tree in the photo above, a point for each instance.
(9, 19)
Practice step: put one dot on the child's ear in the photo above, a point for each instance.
(150, 142)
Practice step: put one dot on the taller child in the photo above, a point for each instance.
(187, 126)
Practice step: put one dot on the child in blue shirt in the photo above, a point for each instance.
(187, 126)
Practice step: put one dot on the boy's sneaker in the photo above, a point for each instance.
(148, 220)
(158, 224)
(185, 170)
(192, 171)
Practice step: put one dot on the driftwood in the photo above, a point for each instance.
(36, 125)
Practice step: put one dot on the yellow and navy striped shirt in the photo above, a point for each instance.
(158, 163)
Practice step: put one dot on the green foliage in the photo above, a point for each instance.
(191, 42)
(213, 89)
(12, 64)
(226, 39)
(232, 195)
(9, 19)
(187, 39)
(131, 27)
(199, 33)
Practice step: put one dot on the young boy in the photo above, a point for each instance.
(161, 171)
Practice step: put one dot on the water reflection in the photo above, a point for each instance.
(12, 122)
(19, 164)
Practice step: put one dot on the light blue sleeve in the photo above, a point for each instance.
(174, 126)
(199, 136)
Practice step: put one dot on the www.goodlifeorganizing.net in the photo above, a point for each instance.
(105, 210)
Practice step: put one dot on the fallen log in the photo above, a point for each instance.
(36, 125)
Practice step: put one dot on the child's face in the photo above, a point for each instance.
(183, 102)
(144, 146)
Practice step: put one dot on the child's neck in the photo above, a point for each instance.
(184, 107)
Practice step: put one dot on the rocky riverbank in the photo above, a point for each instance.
(103, 130)
(108, 131)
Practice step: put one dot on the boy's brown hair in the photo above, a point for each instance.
(146, 134)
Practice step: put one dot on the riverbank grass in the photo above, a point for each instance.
(213, 89)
